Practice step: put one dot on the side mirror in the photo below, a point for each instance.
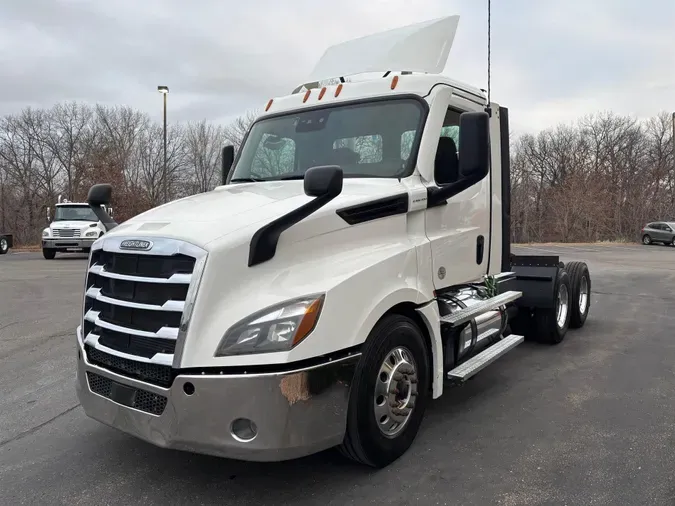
(227, 160)
(99, 195)
(474, 157)
(474, 139)
(324, 180)
(49, 215)
(110, 212)
(98, 198)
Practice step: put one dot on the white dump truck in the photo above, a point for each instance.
(74, 227)
(353, 264)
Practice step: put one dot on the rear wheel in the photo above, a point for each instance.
(48, 253)
(551, 324)
(389, 394)
(646, 240)
(580, 300)
(4, 246)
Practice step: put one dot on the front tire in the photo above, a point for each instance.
(4, 246)
(390, 392)
(49, 253)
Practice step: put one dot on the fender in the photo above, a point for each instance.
(430, 315)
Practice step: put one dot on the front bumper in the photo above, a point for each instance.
(65, 243)
(296, 413)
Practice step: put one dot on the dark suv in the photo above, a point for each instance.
(659, 231)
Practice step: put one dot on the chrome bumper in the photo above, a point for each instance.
(294, 413)
(67, 243)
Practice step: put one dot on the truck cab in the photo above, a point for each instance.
(74, 227)
(354, 263)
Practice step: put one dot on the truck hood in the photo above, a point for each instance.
(78, 225)
(204, 218)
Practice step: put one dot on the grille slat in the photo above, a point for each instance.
(160, 375)
(146, 327)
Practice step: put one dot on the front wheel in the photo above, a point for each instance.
(4, 246)
(49, 253)
(389, 394)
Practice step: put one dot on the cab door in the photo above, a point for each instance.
(459, 230)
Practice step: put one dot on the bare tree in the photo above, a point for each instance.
(600, 178)
(202, 145)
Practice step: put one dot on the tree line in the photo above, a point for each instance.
(600, 178)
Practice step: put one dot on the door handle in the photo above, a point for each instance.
(480, 249)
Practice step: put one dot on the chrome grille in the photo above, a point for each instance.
(136, 306)
(66, 232)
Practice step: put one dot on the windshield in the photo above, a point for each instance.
(373, 139)
(74, 213)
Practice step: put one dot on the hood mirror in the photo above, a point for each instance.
(324, 180)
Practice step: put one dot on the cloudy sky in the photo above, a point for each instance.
(552, 60)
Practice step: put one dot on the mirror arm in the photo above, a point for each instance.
(105, 219)
(264, 241)
(439, 195)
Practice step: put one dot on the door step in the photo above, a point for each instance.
(468, 313)
(475, 364)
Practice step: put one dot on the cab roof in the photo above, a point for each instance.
(392, 85)
(405, 60)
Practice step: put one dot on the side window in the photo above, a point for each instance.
(368, 148)
(275, 156)
(446, 165)
(451, 131)
(407, 139)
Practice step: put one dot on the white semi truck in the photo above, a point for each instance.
(74, 227)
(354, 262)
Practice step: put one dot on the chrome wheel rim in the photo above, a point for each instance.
(563, 305)
(583, 295)
(646, 240)
(3, 244)
(395, 391)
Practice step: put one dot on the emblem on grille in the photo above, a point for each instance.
(136, 244)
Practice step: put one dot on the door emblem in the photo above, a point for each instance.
(441, 273)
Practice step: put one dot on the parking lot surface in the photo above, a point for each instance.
(591, 421)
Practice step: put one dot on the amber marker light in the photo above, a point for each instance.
(308, 321)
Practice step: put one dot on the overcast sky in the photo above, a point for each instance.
(552, 60)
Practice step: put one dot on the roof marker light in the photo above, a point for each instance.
(339, 89)
(269, 104)
(322, 92)
(307, 93)
(394, 82)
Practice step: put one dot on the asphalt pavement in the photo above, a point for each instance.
(591, 421)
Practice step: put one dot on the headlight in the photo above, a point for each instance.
(45, 232)
(93, 233)
(276, 328)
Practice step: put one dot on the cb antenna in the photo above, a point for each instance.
(488, 109)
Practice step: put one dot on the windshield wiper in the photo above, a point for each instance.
(290, 176)
(246, 180)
